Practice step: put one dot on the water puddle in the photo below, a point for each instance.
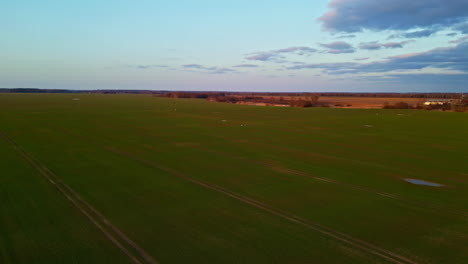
(421, 182)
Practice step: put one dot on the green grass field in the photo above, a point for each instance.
(192, 181)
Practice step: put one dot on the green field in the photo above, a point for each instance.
(192, 181)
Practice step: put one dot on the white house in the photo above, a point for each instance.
(438, 101)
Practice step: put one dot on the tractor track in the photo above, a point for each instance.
(419, 204)
(414, 203)
(364, 246)
(115, 235)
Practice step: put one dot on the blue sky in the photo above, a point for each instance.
(321, 45)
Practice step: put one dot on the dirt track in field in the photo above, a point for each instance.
(407, 202)
(117, 237)
(365, 246)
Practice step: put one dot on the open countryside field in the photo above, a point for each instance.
(368, 102)
(141, 179)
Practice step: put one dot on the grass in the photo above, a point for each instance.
(273, 155)
(38, 225)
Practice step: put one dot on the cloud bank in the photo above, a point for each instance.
(148, 66)
(356, 15)
(338, 47)
(210, 70)
(276, 55)
(462, 27)
(246, 66)
(448, 58)
(460, 40)
(375, 45)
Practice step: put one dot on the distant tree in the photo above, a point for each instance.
(399, 105)
(300, 103)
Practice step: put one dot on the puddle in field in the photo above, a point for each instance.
(421, 182)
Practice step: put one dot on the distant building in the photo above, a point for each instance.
(438, 101)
